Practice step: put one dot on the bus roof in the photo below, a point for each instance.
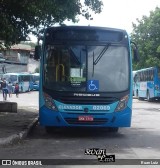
(35, 74)
(85, 28)
(134, 72)
(85, 33)
(144, 69)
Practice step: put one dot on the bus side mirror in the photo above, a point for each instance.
(135, 52)
(37, 53)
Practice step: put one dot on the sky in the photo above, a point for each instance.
(119, 14)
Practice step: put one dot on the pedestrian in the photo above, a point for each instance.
(4, 89)
(16, 90)
(10, 89)
(1, 81)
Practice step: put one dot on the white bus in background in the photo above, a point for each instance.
(35, 81)
(23, 79)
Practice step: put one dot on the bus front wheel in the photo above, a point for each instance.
(140, 98)
(49, 129)
(113, 129)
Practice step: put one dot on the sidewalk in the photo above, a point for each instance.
(16, 126)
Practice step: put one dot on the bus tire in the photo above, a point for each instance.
(148, 97)
(136, 93)
(140, 98)
(49, 129)
(113, 129)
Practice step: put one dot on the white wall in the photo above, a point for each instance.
(32, 65)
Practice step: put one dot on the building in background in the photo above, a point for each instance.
(18, 59)
(19, 53)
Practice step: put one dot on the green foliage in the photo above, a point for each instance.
(37, 70)
(21, 17)
(147, 36)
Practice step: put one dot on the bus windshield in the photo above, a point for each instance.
(10, 78)
(69, 68)
(13, 78)
(35, 78)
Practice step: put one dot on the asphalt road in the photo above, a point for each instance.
(141, 141)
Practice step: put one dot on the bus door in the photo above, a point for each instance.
(20, 82)
(157, 82)
(150, 83)
(26, 81)
(23, 83)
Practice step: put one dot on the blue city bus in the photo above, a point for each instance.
(147, 83)
(35, 81)
(85, 77)
(23, 79)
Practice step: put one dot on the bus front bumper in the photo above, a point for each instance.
(49, 117)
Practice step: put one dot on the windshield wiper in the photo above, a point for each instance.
(101, 54)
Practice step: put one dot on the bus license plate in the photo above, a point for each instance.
(85, 118)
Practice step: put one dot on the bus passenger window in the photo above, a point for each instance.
(152, 73)
(159, 73)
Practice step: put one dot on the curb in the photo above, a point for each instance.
(17, 137)
(8, 107)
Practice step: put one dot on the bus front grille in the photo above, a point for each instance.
(87, 100)
(96, 121)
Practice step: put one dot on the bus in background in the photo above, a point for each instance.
(147, 83)
(23, 79)
(35, 81)
(133, 75)
(86, 77)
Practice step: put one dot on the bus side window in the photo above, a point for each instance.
(151, 75)
(140, 79)
(159, 73)
(135, 78)
(142, 76)
(145, 77)
(19, 79)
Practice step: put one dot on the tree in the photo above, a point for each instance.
(21, 17)
(147, 36)
(36, 70)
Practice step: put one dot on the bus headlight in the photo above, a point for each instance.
(49, 103)
(122, 103)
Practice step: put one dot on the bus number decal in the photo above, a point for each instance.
(101, 107)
